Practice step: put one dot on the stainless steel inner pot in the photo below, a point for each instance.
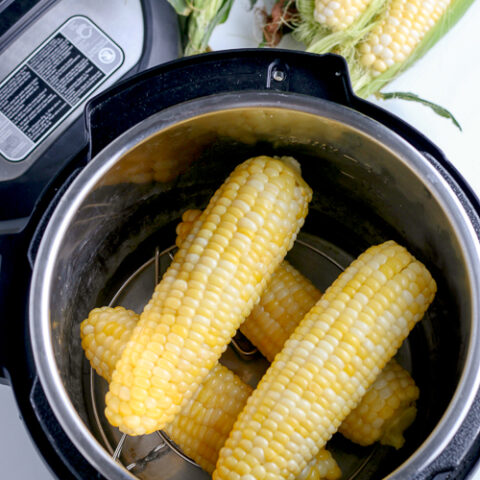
(369, 186)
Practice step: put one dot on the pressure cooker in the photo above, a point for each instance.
(161, 142)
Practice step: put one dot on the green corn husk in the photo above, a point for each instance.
(321, 39)
(182, 7)
(412, 97)
(365, 84)
(203, 17)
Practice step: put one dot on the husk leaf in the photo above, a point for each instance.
(412, 97)
(205, 16)
(182, 7)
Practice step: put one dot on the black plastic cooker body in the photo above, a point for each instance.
(160, 28)
(128, 103)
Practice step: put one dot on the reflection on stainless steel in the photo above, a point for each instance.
(96, 415)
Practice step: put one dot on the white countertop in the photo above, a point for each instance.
(448, 75)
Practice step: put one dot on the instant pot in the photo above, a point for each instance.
(161, 142)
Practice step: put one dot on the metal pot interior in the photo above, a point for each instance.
(369, 186)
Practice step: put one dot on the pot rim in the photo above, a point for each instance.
(40, 290)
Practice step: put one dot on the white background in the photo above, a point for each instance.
(448, 75)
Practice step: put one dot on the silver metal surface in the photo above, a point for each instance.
(343, 154)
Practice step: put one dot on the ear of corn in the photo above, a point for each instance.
(398, 38)
(322, 467)
(211, 286)
(386, 410)
(186, 225)
(327, 365)
(104, 335)
(202, 426)
(380, 43)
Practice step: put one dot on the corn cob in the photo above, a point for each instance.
(338, 15)
(104, 335)
(393, 39)
(399, 36)
(385, 411)
(204, 422)
(211, 286)
(286, 299)
(327, 365)
(322, 467)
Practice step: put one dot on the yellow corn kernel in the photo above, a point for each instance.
(224, 263)
(375, 303)
(206, 419)
(386, 410)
